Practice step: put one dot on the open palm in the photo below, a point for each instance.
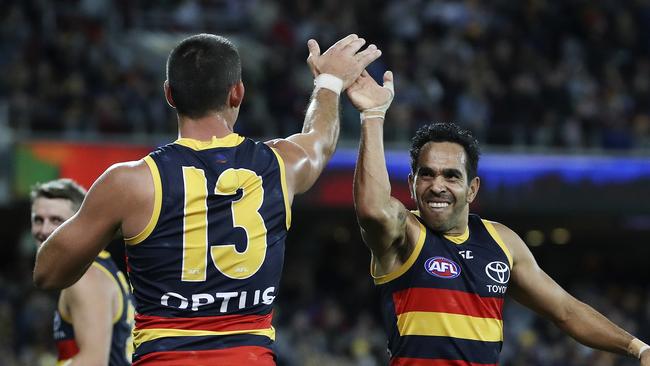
(365, 93)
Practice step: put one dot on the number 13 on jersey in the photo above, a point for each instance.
(245, 215)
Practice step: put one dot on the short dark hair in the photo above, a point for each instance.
(447, 132)
(60, 188)
(200, 71)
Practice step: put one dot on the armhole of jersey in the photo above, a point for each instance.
(285, 192)
(63, 315)
(495, 235)
(120, 308)
(157, 203)
(380, 280)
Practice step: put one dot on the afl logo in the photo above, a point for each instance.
(498, 272)
(442, 267)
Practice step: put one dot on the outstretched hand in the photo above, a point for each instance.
(343, 59)
(365, 94)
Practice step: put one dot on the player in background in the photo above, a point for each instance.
(93, 320)
(205, 217)
(442, 272)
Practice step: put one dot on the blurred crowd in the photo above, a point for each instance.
(541, 73)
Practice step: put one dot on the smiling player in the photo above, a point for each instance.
(442, 272)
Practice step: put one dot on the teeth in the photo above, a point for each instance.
(438, 204)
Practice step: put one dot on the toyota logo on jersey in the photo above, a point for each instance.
(498, 272)
(442, 267)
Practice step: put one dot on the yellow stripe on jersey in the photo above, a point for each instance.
(285, 192)
(495, 235)
(406, 265)
(459, 239)
(157, 203)
(145, 335)
(104, 254)
(120, 309)
(450, 325)
(231, 140)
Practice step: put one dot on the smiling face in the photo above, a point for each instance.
(440, 187)
(47, 215)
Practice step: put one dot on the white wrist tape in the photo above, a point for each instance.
(328, 81)
(380, 111)
(637, 347)
(643, 349)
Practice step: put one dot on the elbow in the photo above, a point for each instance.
(42, 281)
(45, 280)
(563, 318)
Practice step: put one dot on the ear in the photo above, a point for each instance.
(411, 180)
(236, 95)
(474, 185)
(168, 94)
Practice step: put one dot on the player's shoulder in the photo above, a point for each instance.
(286, 148)
(506, 233)
(125, 174)
(96, 279)
(510, 238)
(128, 169)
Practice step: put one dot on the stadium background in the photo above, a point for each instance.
(557, 91)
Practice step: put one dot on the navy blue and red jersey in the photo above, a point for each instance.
(206, 269)
(121, 341)
(443, 306)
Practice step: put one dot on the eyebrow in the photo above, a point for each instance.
(444, 171)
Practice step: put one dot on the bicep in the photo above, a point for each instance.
(65, 255)
(302, 168)
(530, 285)
(387, 228)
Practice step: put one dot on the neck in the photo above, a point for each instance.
(461, 226)
(204, 128)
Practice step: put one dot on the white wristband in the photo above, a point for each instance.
(380, 111)
(328, 81)
(637, 347)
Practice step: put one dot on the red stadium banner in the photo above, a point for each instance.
(39, 161)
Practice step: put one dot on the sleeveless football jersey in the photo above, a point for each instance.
(443, 306)
(206, 269)
(121, 342)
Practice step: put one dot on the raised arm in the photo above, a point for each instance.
(383, 218)
(305, 154)
(532, 287)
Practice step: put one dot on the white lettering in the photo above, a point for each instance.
(178, 301)
(196, 300)
(467, 254)
(165, 298)
(242, 300)
(442, 267)
(266, 297)
(497, 289)
(226, 296)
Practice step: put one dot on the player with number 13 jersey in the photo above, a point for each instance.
(206, 268)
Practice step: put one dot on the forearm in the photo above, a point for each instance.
(372, 191)
(322, 122)
(592, 329)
